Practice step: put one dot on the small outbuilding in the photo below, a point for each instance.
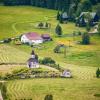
(66, 74)
(46, 37)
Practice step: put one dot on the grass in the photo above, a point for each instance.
(11, 55)
(82, 60)
(83, 86)
(21, 19)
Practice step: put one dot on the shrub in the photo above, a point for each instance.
(48, 60)
(57, 49)
(40, 25)
(79, 33)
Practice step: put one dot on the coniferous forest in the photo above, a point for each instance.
(51, 4)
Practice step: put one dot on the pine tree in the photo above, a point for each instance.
(58, 15)
(66, 5)
(58, 30)
(98, 73)
(86, 5)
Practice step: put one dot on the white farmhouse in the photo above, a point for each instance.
(31, 38)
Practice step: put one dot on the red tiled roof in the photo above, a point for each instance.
(33, 36)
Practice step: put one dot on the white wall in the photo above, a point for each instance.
(24, 39)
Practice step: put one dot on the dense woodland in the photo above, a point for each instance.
(72, 7)
(52, 4)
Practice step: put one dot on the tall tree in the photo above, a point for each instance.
(58, 30)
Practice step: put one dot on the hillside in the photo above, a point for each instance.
(17, 24)
(80, 59)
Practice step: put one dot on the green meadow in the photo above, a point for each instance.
(82, 60)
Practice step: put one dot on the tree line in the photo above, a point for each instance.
(51, 4)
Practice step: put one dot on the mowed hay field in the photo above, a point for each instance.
(9, 54)
(83, 86)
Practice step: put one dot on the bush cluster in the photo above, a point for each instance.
(50, 62)
(46, 61)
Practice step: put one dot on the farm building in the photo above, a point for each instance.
(33, 61)
(46, 37)
(82, 20)
(31, 38)
(66, 73)
(64, 16)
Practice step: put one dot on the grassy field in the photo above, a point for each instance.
(15, 21)
(82, 60)
(83, 86)
(11, 55)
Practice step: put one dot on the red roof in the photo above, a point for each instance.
(33, 36)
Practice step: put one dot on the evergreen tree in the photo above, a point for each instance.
(66, 5)
(97, 73)
(86, 5)
(51, 4)
(79, 9)
(94, 1)
(58, 30)
(58, 15)
(85, 39)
